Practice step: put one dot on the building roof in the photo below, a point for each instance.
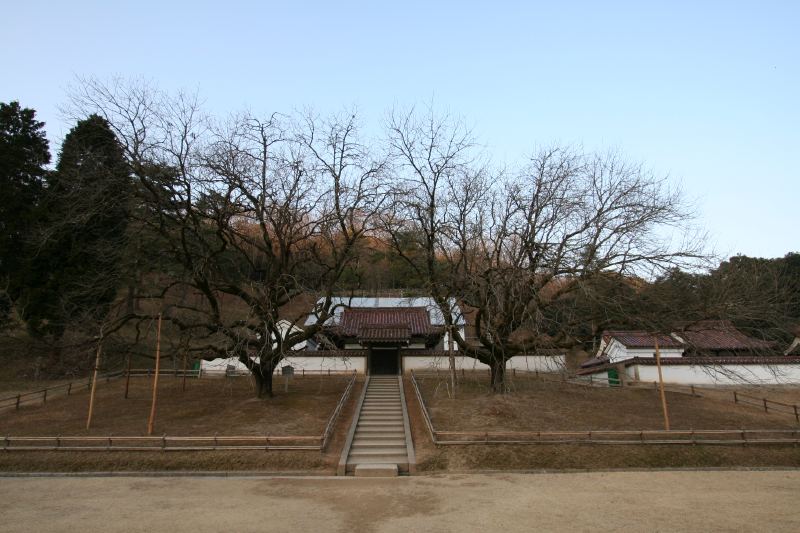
(642, 339)
(721, 335)
(343, 303)
(385, 322)
(375, 333)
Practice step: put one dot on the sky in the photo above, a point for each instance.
(707, 93)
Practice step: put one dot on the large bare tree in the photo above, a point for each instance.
(251, 211)
(514, 245)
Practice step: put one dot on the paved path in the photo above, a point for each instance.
(631, 501)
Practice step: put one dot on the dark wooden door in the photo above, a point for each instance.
(384, 361)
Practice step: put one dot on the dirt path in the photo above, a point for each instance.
(630, 501)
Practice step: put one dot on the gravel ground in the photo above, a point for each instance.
(624, 501)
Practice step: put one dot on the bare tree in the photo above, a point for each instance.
(252, 212)
(513, 246)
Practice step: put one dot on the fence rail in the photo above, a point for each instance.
(426, 416)
(162, 443)
(778, 407)
(605, 437)
(326, 434)
(183, 443)
(40, 396)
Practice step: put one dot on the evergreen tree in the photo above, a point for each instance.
(82, 237)
(24, 152)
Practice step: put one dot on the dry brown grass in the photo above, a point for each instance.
(539, 404)
(226, 406)
(431, 458)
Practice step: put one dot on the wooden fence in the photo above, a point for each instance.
(739, 397)
(605, 437)
(326, 434)
(778, 407)
(184, 443)
(694, 390)
(40, 396)
(162, 443)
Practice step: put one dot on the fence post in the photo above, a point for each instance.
(796, 415)
(692, 390)
(69, 388)
(735, 398)
(18, 397)
(44, 398)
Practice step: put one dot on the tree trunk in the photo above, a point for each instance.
(498, 373)
(263, 376)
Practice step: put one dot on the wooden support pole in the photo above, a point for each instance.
(452, 360)
(128, 377)
(661, 387)
(94, 379)
(183, 385)
(155, 379)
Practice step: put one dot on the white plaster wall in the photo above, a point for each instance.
(538, 363)
(322, 363)
(220, 365)
(533, 363)
(417, 362)
(719, 374)
(617, 351)
(446, 339)
(315, 363)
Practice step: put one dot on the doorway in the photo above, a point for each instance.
(384, 361)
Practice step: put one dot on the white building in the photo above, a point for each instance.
(705, 353)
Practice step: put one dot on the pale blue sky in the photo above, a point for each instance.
(706, 92)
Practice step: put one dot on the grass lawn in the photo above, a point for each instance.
(544, 404)
(226, 406)
(530, 408)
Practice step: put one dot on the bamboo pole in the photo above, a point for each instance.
(661, 388)
(128, 377)
(183, 385)
(155, 379)
(94, 379)
(452, 360)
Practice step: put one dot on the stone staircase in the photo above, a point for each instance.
(380, 443)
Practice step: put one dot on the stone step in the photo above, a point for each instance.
(381, 416)
(351, 466)
(382, 454)
(383, 399)
(384, 425)
(377, 437)
(387, 411)
(376, 470)
(366, 442)
(378, 430)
